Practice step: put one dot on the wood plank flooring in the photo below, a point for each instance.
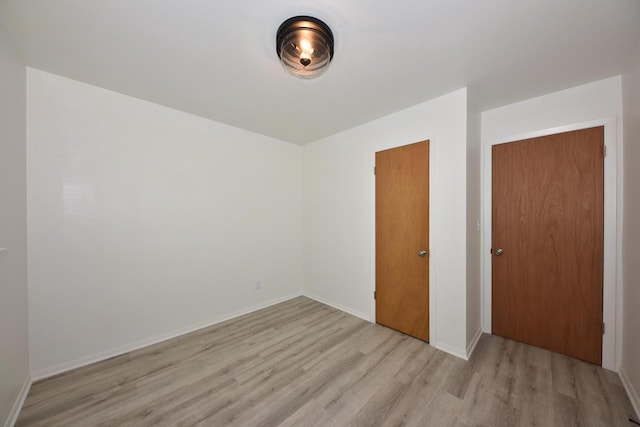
(302, 363)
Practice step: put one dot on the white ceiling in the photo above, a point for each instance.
(217, 59)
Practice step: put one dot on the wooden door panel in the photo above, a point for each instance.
(548, 218)
(402, 230)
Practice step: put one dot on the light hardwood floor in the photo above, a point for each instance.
(302, 363)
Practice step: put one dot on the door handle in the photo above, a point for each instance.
(499, 252)
(422, 253)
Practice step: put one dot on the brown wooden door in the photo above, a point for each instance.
(548, 219)
(402, 231)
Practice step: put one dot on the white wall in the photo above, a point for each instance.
(339, 213)
(630, 371)
(14, 367)
(588, 103)
(145, 221)
(474, 205)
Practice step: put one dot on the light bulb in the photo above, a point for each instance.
(305, 45)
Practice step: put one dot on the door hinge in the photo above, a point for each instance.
(374, 170)
(374, 294)
(604, 151)
(602, 328)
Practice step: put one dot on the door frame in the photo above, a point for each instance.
(432, 254)
(612, 295)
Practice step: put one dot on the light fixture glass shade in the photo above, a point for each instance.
(305, 46)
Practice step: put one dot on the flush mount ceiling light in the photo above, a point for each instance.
(305, 46)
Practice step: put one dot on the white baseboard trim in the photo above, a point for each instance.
(474, 342)
(631, 392)
(451, 350)
(338, 306)
(17, 406)
(443, 347)
(98, 357)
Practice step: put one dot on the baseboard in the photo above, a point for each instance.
(474, 342)
(94, 358)
(447, 349)
(631, 392)
(17, 406)
(338, 306)
(451, 350)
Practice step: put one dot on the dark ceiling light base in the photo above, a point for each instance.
(305, 46)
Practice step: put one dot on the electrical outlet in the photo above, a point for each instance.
(258, 284)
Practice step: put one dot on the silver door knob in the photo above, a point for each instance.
(499, 252)
(422, 253)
